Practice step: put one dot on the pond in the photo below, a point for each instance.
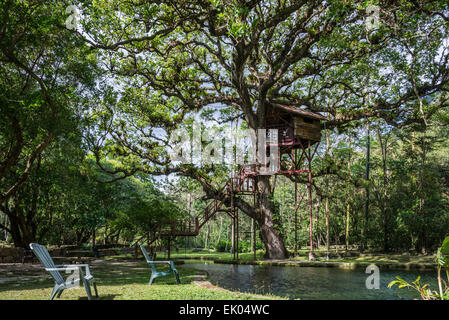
(311, 283)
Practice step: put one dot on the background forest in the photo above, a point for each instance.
(81, 160)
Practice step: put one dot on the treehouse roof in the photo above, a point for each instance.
(299, 112)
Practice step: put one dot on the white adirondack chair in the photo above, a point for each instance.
(54, 270)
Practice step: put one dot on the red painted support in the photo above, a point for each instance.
(309, 185)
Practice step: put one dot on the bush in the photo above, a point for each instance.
(223, 246)
(244, 246)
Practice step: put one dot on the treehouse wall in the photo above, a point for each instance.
(307, 129)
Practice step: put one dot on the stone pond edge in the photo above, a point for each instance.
(323, 264)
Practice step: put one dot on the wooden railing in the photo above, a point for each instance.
(191, 227)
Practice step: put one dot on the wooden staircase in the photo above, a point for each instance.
(244, 183)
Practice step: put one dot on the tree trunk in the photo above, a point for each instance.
(274, 244)
(326, 205)
(251, 233)
(347, 227)
(82, 236)
(221, 230)
(348, 199)
(232, 236)
(326, 209)
(93, 237)
(208, 236)
(5, 223)
(15, 233)
(227, 237)
(22, 233)
(364, 235)
(383, 201)
(422, 239)
(105, 239)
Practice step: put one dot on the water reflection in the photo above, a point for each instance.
(311, 283)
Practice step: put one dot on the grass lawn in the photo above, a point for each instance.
(116, 281)
(212, 255)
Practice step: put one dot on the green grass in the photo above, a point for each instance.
(117, 281)
(211, 254)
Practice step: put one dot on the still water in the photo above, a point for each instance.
(311, 283)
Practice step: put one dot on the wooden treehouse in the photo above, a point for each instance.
(295, 126)
(299, 134)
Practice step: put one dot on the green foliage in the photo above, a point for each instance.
(442, 260)
(136, 71)
(244, 246)
(223, 246)
(423, 290)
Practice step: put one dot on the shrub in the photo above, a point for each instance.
(223, 246)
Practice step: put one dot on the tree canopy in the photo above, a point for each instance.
(93, 97)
